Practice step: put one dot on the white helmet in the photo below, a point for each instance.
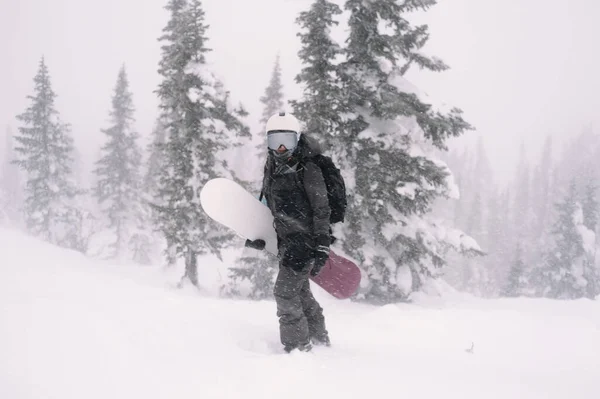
(283, 122)
(283, 133)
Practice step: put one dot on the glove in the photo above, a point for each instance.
(321, 254)
(256, 244)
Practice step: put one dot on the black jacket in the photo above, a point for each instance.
(297, 196)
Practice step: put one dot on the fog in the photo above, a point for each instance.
(521, 70)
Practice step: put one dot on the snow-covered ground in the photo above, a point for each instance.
(75, 328)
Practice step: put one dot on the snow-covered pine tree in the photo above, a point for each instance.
(118, 187)
(569, 271)
(11, 195)
(320, 108)
(589, 204)
(156, 161)
(460, 212)
(578, 154)
(460, 164)
(256, 273)
(484, 176)
(390, 140)
(499, 236)
(156, 158)
(541, 191)
(142, 243)
(516, 277)
(44, 152)
(272, 100)
(522, 206)
(482, 190)
(475, 278)
(199, 123)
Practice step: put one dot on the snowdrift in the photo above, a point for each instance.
(75, 328)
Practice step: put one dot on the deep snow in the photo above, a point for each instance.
(75, 328)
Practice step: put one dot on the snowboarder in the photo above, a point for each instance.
(296, 194)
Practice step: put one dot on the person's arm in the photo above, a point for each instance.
(316, 191)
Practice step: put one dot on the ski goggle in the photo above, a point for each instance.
(286, 138)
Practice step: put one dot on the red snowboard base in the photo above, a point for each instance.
(339, 277)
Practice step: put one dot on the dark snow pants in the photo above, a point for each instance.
(300, 315)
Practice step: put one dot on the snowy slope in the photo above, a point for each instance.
(72, 328)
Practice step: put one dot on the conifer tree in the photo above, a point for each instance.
(156, 158)
(481, 191)
(475, 277)
(475, 221)
(320, 108)
(541, 190)
(499, 234)
(569, 271)
(44, 149)
(257, 272)
(272, 100)
(483, 179)
(10, 184)
(514, 286)
(394, 134)
(589, 204)
(459, 164)
(590, 221)
(151, 183)
(118, 174)
(522, 215)
(199, 123)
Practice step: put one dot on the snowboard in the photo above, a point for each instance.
(231, 205)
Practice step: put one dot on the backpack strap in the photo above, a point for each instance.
(302, 165)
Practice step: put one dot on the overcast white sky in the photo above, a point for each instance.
(521, 69)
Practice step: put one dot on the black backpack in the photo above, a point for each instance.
(336, 188)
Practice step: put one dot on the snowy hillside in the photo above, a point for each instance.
(72, 328)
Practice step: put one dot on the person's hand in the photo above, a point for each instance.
(256, 244)
(320, 261)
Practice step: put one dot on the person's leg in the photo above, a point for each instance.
(293, 325)
(314, 316)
